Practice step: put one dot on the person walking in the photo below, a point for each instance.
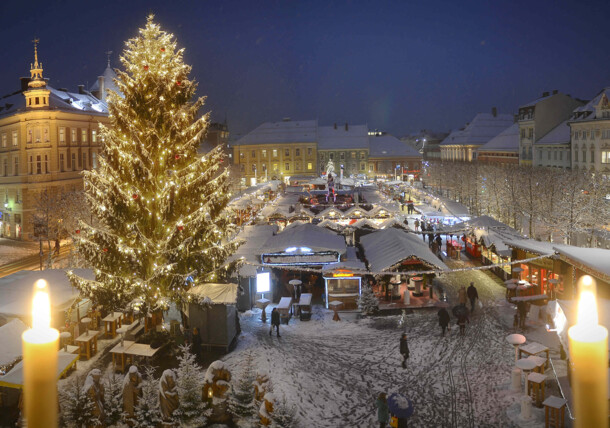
(404, 350)
(416, 224)
(462, 296)
(443, 320)
(275, 322)
(522, 309)
(462, 320)
(383, 412)
(473, 294)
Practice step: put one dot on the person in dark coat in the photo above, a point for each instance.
(462, 320)
(383, 412)
(443, 319)
(439, 241)
(404, 350)
(196, 343)
(522, 309)
(275, 322)
(473, 294)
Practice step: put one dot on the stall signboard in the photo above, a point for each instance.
(283, 259)
(263, 282)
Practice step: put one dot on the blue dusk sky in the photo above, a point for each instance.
(399, 66)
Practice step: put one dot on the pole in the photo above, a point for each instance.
(41, 253)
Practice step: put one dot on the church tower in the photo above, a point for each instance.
(37, 96)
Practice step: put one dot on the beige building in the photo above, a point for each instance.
(537, 118)
(47, 137)
(590, 134)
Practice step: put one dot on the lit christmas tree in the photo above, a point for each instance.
(161, 223)
(368, 302)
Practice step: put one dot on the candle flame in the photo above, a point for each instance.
(41, 306)
(587, 305)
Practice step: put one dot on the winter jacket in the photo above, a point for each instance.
(462, 296)
(404, 347)
(275, 318)
(443, 317)
(383, 412)
(462, 320)
(472, 292)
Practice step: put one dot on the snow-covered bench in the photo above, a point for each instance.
(284, 309)
(133, 330)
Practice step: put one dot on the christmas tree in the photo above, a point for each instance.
(147, 411)
(161, 222)
(192, 411)
(77, 407)
(113, 398)
(368, 302)
(241, 401)
(284, 415)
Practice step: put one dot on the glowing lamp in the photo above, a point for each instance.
(589, 358)
(40, 345)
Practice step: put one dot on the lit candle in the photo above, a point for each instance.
(40, 346)
(589, 358)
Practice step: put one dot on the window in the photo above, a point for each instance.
(15, 140)
(62, 135)
(549, 155)
(263, 167)
(522, 133)
(561, 155)
(274, 167)
(606, 156)
(73, 139)
(84, 160)
(321, 156)
(274, 153)
(584, 155)
(38, 164)
(264, 153)
(362, 156)
(242, 167)
(530, 133)
(93, 136)
(5, 162)
(576, 155)
(309, 151)
(253, 154)
(592, 158)
(362, 166)
(3, 140)
(253, 168)
(286, 152)
(73, 161)
(297, 166)
(606, 134)
(331, 156)
(592, 136)
(342, 156)
(16, 166)
(61, 162)
(297, 152)
(353, 154)
(555, 155)
(287, 165)
(83, 135)
(576, 135)
(309, 166)
(30, 166)
(18, 200)
(94, 160)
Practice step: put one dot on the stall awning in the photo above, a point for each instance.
(224, 294)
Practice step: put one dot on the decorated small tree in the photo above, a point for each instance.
(113, 403)
(77, 407)
(284, 415)
(192, 411)
(160, 224)
(241, 401)
(147, 411)
(368, 302)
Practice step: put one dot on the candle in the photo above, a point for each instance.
(40, 346)
(589, 358)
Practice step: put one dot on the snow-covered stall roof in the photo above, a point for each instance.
(305, 235)
(363, 222)
(253, 238)
(14, 378)
(16, 290)
(10, 338)
(493, 238)
(385, 248)
(218, 294)
(330, 224)
(531, 245)
(596, 261)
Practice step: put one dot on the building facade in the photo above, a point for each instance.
(503, 149)
(47, 137)
(537, 118)
(590, 134)
(346, 146)
(462, 145)
(553, 150)
(391, 158)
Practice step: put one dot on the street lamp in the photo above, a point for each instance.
(396, 172)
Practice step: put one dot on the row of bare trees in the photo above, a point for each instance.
(545, 203)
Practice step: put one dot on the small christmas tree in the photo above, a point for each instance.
(368, 302)
(77, 407)
(147, 411)
(160, 224)
(284, 415)
(113, 403)
(192, 411)
(241, 402)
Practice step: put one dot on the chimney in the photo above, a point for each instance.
(555, 91)
(81, 89)
(286, 119)
(346, 127)
(494, 111)
(545, 94)
(335, 125)
(102, 93)
(24, 83)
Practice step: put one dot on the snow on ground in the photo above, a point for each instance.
(333, 371)
(11, 250)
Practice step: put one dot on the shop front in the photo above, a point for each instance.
(543, 274)
(344, 286)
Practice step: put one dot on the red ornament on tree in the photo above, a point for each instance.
(180, 228)
(135, 196)
(77, 231)
(177, 156)
(178, 83)
(162, 49)
(105, 250)
(146, 67)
